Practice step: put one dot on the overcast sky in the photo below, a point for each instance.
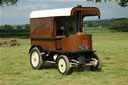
(17, 15)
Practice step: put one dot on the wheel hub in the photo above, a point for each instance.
(62, 65)
(35, 59)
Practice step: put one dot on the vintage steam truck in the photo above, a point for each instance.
(57, 35)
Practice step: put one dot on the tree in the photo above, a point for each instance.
(27, 26)
(122, 3)
(8, 27)
(115, 25)
(91, 24)
(119, 25)
(105, 24)
(8, 2)
(124, 25)
(18, 27)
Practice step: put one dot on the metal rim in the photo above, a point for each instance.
(35, 58)
(62, 65)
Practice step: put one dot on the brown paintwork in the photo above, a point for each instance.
(87, 11)
(59, 44)
(72, 42)
(45, 44)
(54, 28)
(41, 27)
(43, 33)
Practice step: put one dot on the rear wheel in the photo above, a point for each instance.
(36, 60)
(98, 63)
(63, 64)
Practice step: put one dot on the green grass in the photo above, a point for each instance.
(103, 31)
(15, 67)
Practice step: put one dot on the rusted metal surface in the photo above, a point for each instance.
(59, 44)
(54, 30)
(45, 44)
(72, 42)
(41, 27)
(42, 33)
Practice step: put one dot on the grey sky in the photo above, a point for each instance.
(20, 14)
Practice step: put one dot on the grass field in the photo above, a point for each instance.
(15, 68)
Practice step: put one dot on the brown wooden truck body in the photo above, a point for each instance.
(62, 33)
(44, 32)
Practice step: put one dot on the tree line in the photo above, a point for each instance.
(120, 25)
(15, 27)
(15, 30)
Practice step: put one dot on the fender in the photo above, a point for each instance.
(40, 48)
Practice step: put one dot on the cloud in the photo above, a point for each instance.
(20, 14)
(32, 6)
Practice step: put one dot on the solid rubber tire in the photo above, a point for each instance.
(66, 60)
(40, 63)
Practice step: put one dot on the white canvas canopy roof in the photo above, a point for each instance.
(86, 11)
(51, 13)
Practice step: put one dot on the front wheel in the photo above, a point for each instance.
(98, 63)
(36, 58)
(63, 64)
